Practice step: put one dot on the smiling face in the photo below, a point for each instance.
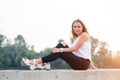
(77, 28)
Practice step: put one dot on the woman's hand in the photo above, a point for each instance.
(92, 66)
(56, 50)
(63, 43)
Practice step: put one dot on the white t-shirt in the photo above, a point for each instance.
(84, 51)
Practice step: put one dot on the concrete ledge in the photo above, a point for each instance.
(99, 74)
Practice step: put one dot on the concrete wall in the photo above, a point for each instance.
(99, 74)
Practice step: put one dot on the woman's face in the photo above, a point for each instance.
(77, 28)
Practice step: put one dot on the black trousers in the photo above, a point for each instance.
(75, 62)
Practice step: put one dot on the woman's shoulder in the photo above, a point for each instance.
(85, 34)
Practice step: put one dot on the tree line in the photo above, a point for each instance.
(11, 53)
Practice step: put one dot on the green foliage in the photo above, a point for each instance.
(2, 38)
(11, 53)
(102, 58)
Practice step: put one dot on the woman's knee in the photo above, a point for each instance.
(59, 45)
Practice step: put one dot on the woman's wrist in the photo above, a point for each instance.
(61, 50)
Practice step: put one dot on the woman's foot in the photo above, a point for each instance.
(33, 64)
(26, 61)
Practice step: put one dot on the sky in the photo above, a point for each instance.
(43, 22)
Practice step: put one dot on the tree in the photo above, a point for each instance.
(100, 53)
(2, 38)
(20, 40)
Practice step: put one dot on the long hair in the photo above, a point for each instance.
(74, 36)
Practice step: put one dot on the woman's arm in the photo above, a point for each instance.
(84, 37)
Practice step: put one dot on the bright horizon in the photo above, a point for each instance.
(43, 23)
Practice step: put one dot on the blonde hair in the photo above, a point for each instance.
(74, 36)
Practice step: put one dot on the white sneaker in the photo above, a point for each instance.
(26, 61)
(35, 65)
(47, 66)
(42, 66)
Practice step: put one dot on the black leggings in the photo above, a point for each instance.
(75, 62)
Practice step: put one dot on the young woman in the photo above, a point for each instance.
(78, 56)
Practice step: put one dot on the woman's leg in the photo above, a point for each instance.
(50, 57)
(53, 56)
(74, 61)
